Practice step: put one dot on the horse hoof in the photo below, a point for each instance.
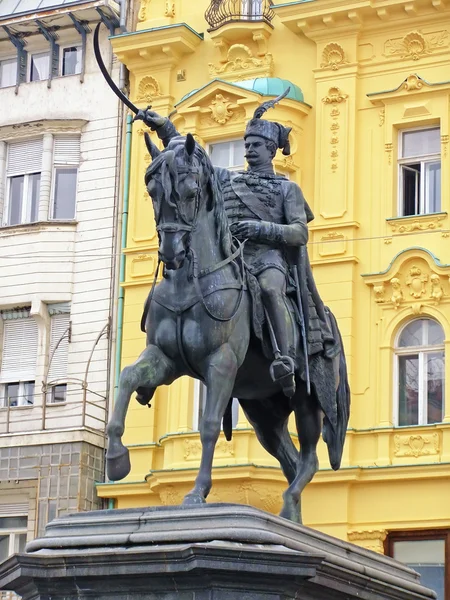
(192, 499)
(118, 467)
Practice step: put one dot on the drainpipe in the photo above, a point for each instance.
(120, 302)
(123, 244)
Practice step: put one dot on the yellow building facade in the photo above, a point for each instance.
(369, 109)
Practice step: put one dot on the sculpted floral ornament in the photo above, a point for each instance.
(220, 109)
(378, 291)
(416, 282)
(241, 63)
(416, 445)
(148, 89)
(333, 56)
(424, 223)
(413, 82)
(142, 15)
(415, 44)
(335, 96)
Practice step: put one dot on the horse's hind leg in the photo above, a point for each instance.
(308, 418)
(151, 369)
(269, 419)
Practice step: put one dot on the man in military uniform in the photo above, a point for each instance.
(270, 212)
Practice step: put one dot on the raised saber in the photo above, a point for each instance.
(107, 76)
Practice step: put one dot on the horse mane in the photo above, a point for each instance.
(170, 176)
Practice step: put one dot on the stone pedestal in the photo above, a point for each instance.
(210, 552)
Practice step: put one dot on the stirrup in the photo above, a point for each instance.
(282, 370)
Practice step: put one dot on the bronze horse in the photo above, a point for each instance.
(198, 323)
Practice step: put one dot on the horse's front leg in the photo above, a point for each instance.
(220, 376)
(151, 369)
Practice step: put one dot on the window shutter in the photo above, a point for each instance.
(67, 150)
(58, 365)
(20, 343)
(14, 510)
(24, 157)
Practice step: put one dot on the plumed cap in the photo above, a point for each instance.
(272, 131)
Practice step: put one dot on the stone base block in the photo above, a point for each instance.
(210, 552)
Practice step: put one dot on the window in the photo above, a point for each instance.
(23, 171)
(13, 536)
(420, 172)
(40, 66)
(200, 405)
(228, 154)
(427, 552)
(18, 366)
(58, 356)
(71, 60)
(8, 72)
(420, 373)
(66, 161)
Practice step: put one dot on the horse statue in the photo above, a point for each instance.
(198, 322)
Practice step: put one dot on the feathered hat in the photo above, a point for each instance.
(270, 130)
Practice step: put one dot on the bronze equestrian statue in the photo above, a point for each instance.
(237, 307)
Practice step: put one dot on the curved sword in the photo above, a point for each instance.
(107, 76)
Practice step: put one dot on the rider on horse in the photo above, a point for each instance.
(270, 213)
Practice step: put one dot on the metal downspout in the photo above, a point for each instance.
(121, 295)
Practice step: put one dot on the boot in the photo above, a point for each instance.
(282, 371)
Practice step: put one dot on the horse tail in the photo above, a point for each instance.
(227, 421)
(335, 437)
(145, 313)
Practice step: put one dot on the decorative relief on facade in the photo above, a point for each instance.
(143, 10)
(382, 117)
(413, 82)
(424, 223)
(372, 539)
(193, 449)
(242, 64)
(415, 45)
(171, 495)
(437, 291)
(444, 144)
(169, 10)
(332, 243)
(397, 293)
(220, 109)
(209, 120)
(416, 281)
(416, 445)
(333, 56)
(148, 89)
(388, 150)
(335, 96)
(378, 291)
(142, 265)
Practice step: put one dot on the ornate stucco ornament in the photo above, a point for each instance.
(220, 109)
(333, 56)
(148, 89)
(416, 282)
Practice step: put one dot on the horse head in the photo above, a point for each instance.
(179, 183)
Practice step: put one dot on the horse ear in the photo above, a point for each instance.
(190, 144)
(151, 147)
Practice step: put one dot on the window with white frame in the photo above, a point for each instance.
(18, 359)
(39, 66)
(13, 531)
(58, 357)
(230, 155)
(23, 180)
(419, 355)
(200, 405)
(8, 72)
(419, 171)
(71, 60)
(66, 159)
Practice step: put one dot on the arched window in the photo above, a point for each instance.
(420, 373)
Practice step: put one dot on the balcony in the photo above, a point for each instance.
(222, 12)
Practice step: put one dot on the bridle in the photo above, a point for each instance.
(194, 273)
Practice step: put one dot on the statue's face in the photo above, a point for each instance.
(256, 151)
